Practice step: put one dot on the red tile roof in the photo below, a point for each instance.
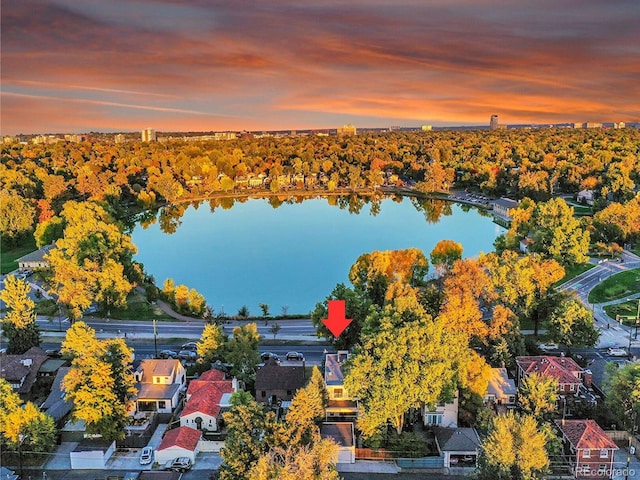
(185, 437)
(212, 375)
(585, 434)
(204, 396)
(563, 369)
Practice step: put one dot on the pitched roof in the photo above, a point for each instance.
(500, 384)
(333, 368)
(205, 396)
(156, 391)
(563, 369)
(506, 202)
(585, 434)
(212, 375)
(13, 367)
(340, 432)
(55, 404)
(36, 255)
(157, 368)
(457, 439)
(184, 437)
(272, 376)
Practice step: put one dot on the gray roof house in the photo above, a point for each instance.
(55, 404)
(458, 445)
(35, 259)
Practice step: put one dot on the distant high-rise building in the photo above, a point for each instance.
(619, 125)
(148, 135)
(426, 128)
(119, 138)
(347, 129)
(493, 123)
(592, 125)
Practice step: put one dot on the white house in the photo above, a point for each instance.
(343, 434)
(502, 206)
(179, 442)
(443, 414)
(206, 397)
(35, 259)
(585, 196)
(159, 385)
(501, 390)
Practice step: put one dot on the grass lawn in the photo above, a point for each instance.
(573, 271)
(618, 286)
(530, 325)
(10, 255)
(628, 310)
(137, 309)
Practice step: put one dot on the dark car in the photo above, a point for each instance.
(294, 356)
(180, 464)
(265, 356)
(167, 354)
(187, 355)
(190, 346)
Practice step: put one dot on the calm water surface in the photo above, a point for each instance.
(294, 255)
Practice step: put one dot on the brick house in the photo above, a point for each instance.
(275, 382)
(571, 377)
(589, 449)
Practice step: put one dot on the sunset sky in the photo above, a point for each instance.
(200, 65)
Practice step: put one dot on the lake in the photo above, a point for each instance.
(294, 255)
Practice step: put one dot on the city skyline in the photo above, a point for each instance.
(201, 66)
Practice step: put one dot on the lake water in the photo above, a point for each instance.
(295, 254)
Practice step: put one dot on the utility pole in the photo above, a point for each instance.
(155, 339)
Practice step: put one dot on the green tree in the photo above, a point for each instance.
(19, 322)
(275, 328)
(265, 310)
(242, 352)
(406, 360)
(623, 392)
(314, 462)
(538, 395)
(211, 344)
(16, 216)
(514, 449)
(558, 234)
(246, 441)
(243, 312)
(37, 429)
(571, 323)
(357, 308)
(49, 231)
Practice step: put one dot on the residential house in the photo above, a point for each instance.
(159, 385)
(276, 383)
(21, 371)
(525, 244)
(459, 446)
(343, 434)
(341, 404)
(55, 405)
(206, 398)
(179, 442)
(571, 377)
(589, 449)
(501, 390)
(586, 196)
(502, 206)
(35, 259)
(443, 414)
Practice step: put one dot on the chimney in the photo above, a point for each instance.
(587, 377)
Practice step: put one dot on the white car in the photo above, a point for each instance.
(616, 352)
(146, 457)
(548, 346)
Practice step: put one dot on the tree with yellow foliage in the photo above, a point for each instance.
(99, 382)
(19, 323)
(538, 395)
(514, 449)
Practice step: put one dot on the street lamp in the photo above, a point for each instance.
(21, 438)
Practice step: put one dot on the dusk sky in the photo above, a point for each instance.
(201, 65)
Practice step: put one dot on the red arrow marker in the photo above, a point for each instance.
(336, 323)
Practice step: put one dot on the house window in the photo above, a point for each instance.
(586, 454)
(337, 393)
(156, 380)
(571, 387)
(434, 419)
(511, 399)
(162, 404)
(604, 453)
(263, 393)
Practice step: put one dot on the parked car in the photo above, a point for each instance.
(168, 354)
(265, 356)
(180, 464)
(53, 353)
(146, 457)
(294, 356)
(189, 346)
(187, 355)
(616, 352)
(548, 346)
